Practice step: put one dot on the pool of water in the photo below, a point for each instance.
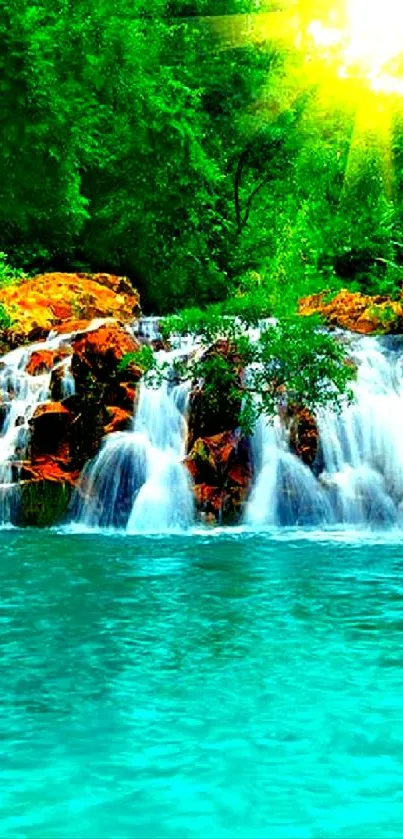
(218, 685)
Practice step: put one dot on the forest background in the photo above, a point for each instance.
(157, 139)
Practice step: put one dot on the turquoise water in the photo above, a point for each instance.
(212, 686)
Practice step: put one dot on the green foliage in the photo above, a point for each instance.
(152, 139)
(294, 359)
(9, 275)
(303, 361)
(143, 358)
(5, 318)
(386, 316)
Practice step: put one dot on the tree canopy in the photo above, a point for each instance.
(137, 137)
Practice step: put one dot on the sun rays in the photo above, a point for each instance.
(349, 52)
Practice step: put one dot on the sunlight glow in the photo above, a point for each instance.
(369, 44)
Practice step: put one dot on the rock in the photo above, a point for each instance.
(43, 503)
(219, 506)
(96, 355)
(221, 470)
(303, 434)
(42, 361)
(57, 384)
(356, 312)
(118, 420)
(126, 396)
(87, 428)
(211, 414)
(50, 468)
(48, 301)
(50, 426)
(76, 326)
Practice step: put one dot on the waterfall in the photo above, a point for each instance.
(138, 481)
(358, 477)
(21, 393)
(286, 491)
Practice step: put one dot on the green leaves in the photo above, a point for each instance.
(144, 138)
(294, 360)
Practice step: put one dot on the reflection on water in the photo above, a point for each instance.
(220, 685)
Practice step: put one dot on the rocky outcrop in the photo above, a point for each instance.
(97, 355)
(43, 361)
(42, 502)
(118, 419)
(303, 434)
(103, 390)
(219, 456)
(67, 432)
(65, 302)
(50, 427)
(221, 471)
(356, 312)
(214, 412)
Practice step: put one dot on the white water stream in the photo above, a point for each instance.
(20, 395)
(138, 481)
(359, 470)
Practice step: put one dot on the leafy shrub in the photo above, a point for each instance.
(295, 360)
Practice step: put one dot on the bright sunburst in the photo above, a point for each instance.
(369, 42)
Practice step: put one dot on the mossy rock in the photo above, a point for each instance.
(43, 503)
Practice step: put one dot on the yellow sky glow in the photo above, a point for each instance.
(369, 42)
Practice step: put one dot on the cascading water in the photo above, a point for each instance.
(286, 491)
(362, 448)
(138, 481)
(358, 476)
(21, 394)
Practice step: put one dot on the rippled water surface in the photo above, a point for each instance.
(211, 686)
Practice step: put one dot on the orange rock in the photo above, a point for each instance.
(127, 395)
(50, 428)
(72, 327)
(209, 499)
(356, 312)
(42, 361)
(212, 458)
(218, 505)
(61, 311)
(40, 304)
(221, 472)
(100, 351)
(50, 469)
(119, 419)
(304, 434)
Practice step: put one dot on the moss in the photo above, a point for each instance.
(43, 503)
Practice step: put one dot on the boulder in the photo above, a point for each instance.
(48, 301)
(221, 471)
(56, 468)
(43, 361)
(50, 428)
(303, 434)
(219, 506)
(214, 413)
(356, 312)
(42, 503)
(96, 356)
(118, 420)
